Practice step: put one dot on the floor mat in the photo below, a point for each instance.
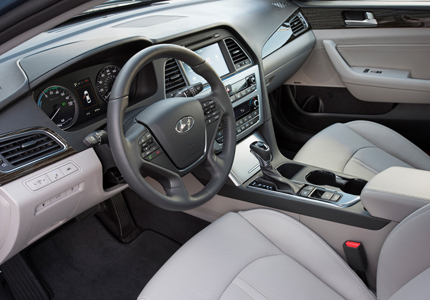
(83, 261)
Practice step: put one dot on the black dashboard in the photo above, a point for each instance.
(70, 69)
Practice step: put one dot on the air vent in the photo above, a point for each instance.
(280, 4)
(174, 80)
(239, 57)
(298, 24)
(25, 148)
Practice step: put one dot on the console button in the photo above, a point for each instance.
(308, 188)
(327, 196)
(336, 197)
(71, 190)
(68, 169)
(38, 183)
(55, 175)
(58, 197)
(305, 193)
(43, 205)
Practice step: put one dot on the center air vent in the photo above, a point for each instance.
(173, 80)
(298, 24)
(26, 148)
(239, 57)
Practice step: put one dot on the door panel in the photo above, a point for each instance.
(399, 47)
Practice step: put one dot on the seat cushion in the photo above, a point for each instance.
(361, 149)
(257, 254)
(404, 263)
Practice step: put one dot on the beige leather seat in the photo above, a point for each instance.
(361, 149)
(264, 254)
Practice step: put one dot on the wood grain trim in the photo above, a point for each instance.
(332, 18)
(8, 177)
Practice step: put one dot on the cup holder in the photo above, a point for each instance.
(352, 186)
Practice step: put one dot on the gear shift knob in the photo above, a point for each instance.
(262, 152)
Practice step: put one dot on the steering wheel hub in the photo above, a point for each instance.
(183, 147)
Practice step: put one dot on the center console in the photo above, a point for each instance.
(304, 182)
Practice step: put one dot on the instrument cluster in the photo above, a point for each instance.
(75, 98)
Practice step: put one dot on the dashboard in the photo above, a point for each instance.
(55, 92)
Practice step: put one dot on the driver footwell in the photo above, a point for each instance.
(83, 261)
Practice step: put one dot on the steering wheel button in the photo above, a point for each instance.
(153, 155)
(146, 153)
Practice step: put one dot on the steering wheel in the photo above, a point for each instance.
(179, 131)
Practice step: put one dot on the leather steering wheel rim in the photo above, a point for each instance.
(123, 141)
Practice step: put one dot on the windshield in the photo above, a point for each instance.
(8, 5)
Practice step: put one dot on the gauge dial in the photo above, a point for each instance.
(59, 105)
(105, 80)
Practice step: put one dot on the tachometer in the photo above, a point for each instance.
(105, 80)
(59, 105)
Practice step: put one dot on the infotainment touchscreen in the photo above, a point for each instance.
(212, 54)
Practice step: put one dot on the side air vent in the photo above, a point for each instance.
(174, 80)
(239, 57)
(298, 24)
(26, 148)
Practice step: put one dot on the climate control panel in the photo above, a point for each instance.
(247, 114)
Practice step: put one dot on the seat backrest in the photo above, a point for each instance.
(404, 263)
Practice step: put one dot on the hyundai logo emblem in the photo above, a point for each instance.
(185, 124)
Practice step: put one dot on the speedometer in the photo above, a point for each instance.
(105, 80)
(59, 105)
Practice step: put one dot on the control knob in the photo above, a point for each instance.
(251, 80)
(255, 102)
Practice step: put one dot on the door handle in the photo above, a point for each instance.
(370, 21)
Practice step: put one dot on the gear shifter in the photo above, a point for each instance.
(262, 152)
